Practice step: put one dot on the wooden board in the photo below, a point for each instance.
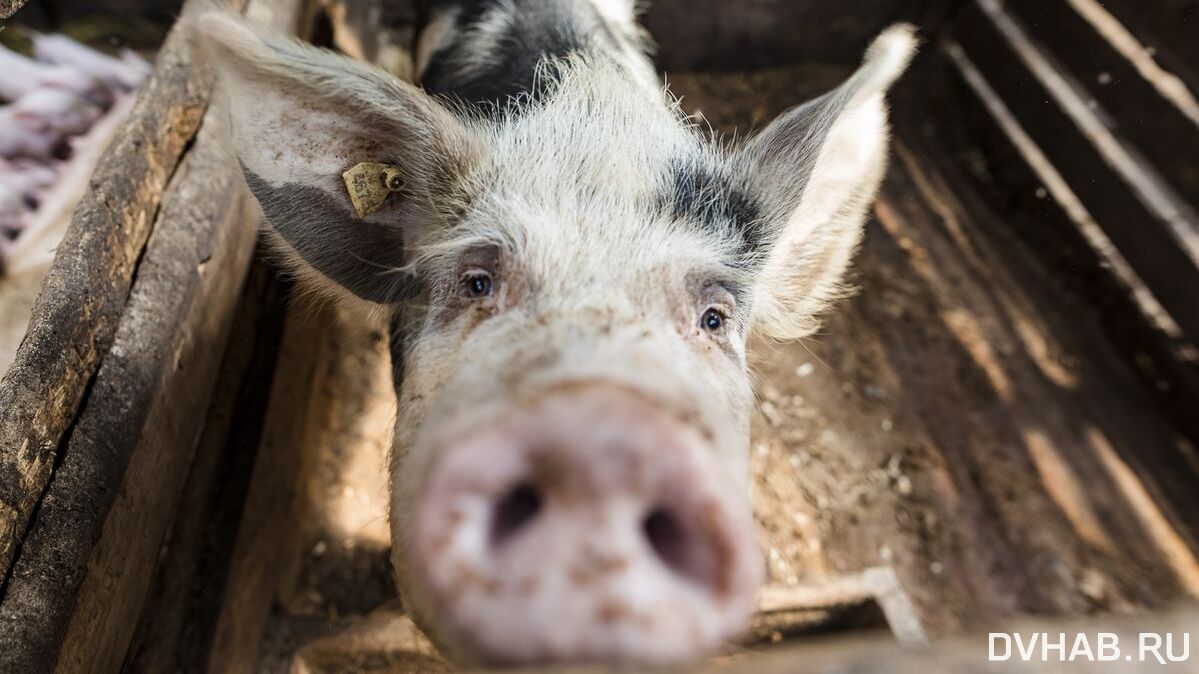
(266, 530)
(1169, 29)
(969, 653)
(120, 567)
(85, 564)
(988, 145)
(386, 644)
(1153, 227)
(9, 7)
(76, 316)
(1147, 105)
(179, 617)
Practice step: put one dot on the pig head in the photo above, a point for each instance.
(571, 270)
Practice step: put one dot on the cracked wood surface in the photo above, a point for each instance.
(86, 561)
(76, 316)
(9, 7)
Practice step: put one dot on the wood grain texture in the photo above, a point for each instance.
(1169, 28)
(1049, 218)
(1153, 227)
(86, 562)
(9, 7)
(267, 530)
(1165, 128)
(76, 316)
(386, 643)
(205, 240)
(179, 616)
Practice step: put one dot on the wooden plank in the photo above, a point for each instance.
(1151, 225)
(879, 585)
(259, 563)
(866, 654)
(1148, 106)
(1068, 240)
(331, 405)
(383, 641)
(76, 316)
(341, 535)
(86, 562)
(84, 566)
(1110, 364)
(1169, 28)
(9, 7)
(121, 566)
(179, 617)
(139, 423)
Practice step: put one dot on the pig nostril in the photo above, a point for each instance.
(668, 538)
(516, 509)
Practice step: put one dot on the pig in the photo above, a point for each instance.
(28, 177)
(20, 75)
(122, 74)
(571, 269)
(14, 209)
(38, 124)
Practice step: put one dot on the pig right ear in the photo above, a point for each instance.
(298, 118)
(818, 168)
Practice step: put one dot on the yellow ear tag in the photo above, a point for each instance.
(369, 184)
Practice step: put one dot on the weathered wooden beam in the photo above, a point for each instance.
(267, 531)
(9, 7)
(86, 562)
(1168, 27)
(205, 239)
(1154, 228)
(1149, 106)
(1045, 214)
(1068, 239)
(878, 585)
(76, 316)
(970, 653)
(387, 643)
(386, 640)
(178, 617)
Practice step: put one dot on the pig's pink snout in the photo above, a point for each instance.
(587, 525)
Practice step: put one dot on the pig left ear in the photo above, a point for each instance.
(817, 169)
(349, 164)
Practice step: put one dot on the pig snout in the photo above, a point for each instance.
(587, 525)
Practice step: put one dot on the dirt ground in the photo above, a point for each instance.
(962, 419)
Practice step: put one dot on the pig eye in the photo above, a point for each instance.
(476, 284)
(712, 320)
